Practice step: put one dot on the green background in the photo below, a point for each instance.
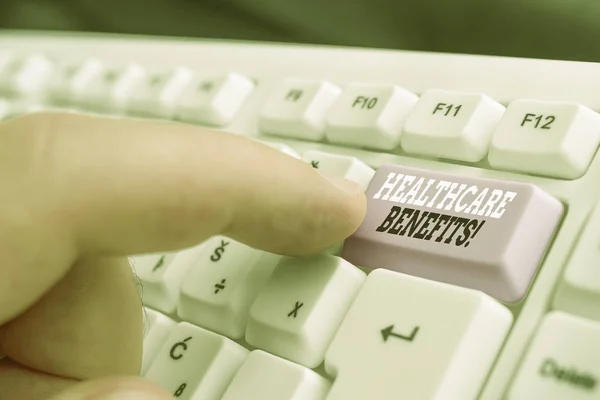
(565, 29)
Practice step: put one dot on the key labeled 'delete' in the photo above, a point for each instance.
(484, 234)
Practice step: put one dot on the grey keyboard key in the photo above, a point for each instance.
(484, 234)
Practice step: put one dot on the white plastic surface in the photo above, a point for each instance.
(157, 328)
(562, 362)
(415, 338)
(337, 166)
(369, 115)
(296, 108)
(302, 305)
(547, 138)
(264, 376)
(27, 75)
(452, 125)
(158, 93)
(222, 285)
(214, 101)
(196, 364)
(70, 79)
(110, 90)
(162, 276)
(579, 291)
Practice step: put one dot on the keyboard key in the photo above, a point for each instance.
(297, 313)
(158, 94)
(157, 329)
(546, 138)
(18, 109)
(195, 363)
(5, 109)
(338, 166)
(479, 233)
(369, 116)
(266, 377)
(579, 290)
(26, 76)
(6, 57)
(410, 338)
(218, 291)
(452, 125)
(71, 79)
(162, 276)
(214, 101)
(282, 148)
(562, 361)
(6, 61)
(296, 108)
(111, 90)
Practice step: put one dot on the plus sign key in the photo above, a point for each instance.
(475, 232)
(410, 338)
(222, 284)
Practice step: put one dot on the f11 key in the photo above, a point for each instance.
(480, 233)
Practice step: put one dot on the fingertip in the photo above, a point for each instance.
(350, 188)
(348, 209)
(310, 217)
(343, 216)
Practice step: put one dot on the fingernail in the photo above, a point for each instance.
(351, 188)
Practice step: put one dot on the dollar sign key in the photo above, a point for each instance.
(218, 253)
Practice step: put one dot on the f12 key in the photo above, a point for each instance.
(484, 234)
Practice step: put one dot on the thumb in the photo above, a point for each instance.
(130, 388)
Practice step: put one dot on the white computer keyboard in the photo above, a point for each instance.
(482, 186)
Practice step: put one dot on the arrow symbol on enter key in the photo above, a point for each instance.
(388, 332)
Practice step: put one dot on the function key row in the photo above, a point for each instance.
(177, 93)
(554, 139)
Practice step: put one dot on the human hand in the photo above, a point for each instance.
(79, 193)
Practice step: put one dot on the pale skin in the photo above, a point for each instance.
(80, 193)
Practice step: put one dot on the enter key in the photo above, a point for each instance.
(411, 338)
(479, 233)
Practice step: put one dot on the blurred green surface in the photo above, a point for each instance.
(557, 29)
